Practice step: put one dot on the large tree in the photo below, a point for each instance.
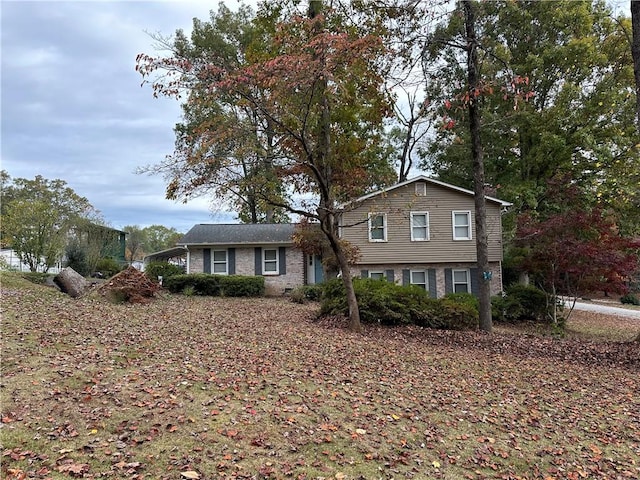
(319, 91)
(159, 237)
(135, 243)
(224, 147)
(474, 87)
(37, 216)
(568, 66)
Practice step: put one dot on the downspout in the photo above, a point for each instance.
(188, 259)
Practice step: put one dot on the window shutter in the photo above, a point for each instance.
(231, 261)
(391, 276)
(406, 277)
(448, 281)
(207, 260)
(475, 288)
(282, 259)
(364, 273)
(433, 287)
(258, 255)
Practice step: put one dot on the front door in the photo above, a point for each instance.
(319, 272)
(315, 273)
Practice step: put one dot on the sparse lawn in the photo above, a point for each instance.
(192, 387)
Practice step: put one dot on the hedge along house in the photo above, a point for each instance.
(422, 232)
(249, 249)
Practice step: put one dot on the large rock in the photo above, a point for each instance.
(71, 282)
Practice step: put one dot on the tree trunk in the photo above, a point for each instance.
(328, 227)
(70, 282)
(482, 247)
(635, 52)
(354, 310)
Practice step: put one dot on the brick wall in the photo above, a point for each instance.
(496, 270)
(245, 265)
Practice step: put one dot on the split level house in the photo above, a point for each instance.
(421, 232)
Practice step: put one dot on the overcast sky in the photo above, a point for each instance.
(73, 108)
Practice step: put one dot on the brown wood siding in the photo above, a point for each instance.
(399, 248)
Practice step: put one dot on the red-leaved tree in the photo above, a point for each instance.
(575, 249)
(318, 94)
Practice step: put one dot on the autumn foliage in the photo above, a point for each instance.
(573, 247)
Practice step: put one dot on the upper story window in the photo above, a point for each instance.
(219, 264)
(461, 225)
(421, 189)
(419, 226)
(270, 261)
(377, 227)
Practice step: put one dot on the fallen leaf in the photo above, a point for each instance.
(190, 474)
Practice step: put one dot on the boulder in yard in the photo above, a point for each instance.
(70, 282)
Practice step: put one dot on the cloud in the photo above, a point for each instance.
(73, 107)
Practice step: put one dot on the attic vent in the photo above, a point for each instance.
(421, 189)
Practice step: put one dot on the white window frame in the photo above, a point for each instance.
(426, 226)
(467, 213)
(424, 285)
(379, 275)
(270, 261)
(373, 215)
(215, 262)
(467, 283)
(421, 189)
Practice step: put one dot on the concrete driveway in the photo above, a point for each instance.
(606, 309)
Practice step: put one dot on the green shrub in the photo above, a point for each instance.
(449, 314)
(202, 283)
(297, 296)
(305, 293)
(390, 304)
(189, 291)
(77, 259)
(108, 267)
(153, 270)
(312, 292)
(464, 299)
(241, 285)
(379, 301)
(36, 277)
(215, 285)
(630, 299)
(522, 303)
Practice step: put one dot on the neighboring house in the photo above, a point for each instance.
(422, 232)
(9, 260)
(419, 232)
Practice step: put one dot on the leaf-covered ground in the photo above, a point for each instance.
(192, 387)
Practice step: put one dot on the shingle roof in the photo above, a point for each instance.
(234, 234)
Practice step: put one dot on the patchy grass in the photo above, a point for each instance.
(259, 389)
